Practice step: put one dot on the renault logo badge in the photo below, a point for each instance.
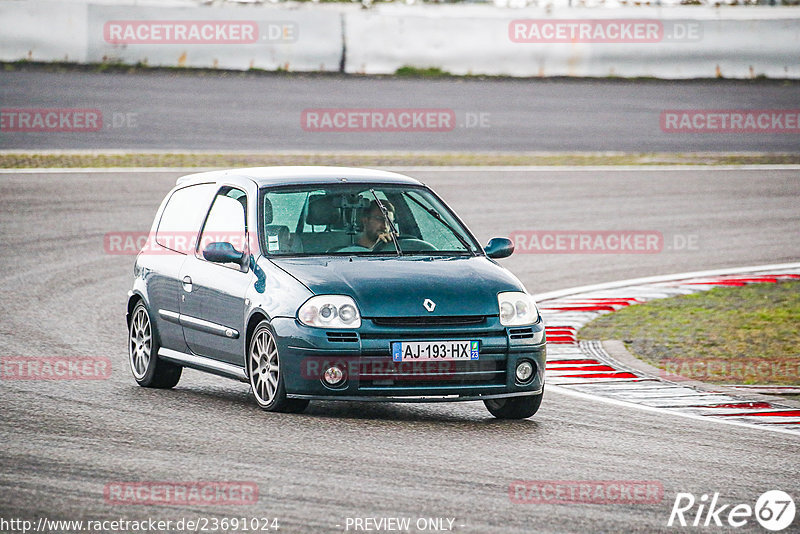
(429, 305)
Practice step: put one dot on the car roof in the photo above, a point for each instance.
(297, 175)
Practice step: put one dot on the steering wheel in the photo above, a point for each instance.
(411, 243)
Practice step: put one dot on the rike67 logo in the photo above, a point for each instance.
(774, 510)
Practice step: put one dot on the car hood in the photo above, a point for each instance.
(398, 286)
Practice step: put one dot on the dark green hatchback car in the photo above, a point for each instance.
(333, 284)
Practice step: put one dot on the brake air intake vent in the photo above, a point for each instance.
(342, 337)
(520, 333)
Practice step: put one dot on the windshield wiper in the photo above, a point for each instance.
(385, 212)
(436, 215)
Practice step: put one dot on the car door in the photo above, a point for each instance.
(213, 294)
(174, 233)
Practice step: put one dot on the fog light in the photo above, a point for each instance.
(333, 375)
(524, 371)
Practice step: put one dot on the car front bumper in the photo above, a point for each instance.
(371, 375)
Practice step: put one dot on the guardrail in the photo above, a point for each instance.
(691, 42)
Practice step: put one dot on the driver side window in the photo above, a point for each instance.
(226, 222)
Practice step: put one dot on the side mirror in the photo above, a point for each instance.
(222, 252)
(499, 247)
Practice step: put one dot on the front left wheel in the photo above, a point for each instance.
(266, 374)
(148, 370)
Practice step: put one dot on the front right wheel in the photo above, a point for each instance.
(266, 375)
(514, 407)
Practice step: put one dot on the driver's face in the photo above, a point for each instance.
(375, 224)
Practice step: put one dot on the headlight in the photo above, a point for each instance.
(517, 308)
(330, 311)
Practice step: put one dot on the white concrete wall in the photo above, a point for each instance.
(735, 43)
(295, 40)
(43, 31)
(731, 42)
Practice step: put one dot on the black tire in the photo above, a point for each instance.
(514, 407)
(147, 368)
(266, 374)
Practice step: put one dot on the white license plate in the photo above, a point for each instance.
(434, 350)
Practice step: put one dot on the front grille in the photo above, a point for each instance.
(439, 335)
(451, 320)
(520, 333)
(342, 337)
(375, 373)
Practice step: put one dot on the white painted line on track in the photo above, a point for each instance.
(108, 170)
(661, 411)
(437, 168)
(591, 168)
(664, 278)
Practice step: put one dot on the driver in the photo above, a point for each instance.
(375, 228)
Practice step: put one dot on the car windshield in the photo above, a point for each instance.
(356, 219)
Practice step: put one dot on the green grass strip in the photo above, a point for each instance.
(727, 335)
(99, 159)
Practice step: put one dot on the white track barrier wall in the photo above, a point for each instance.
(298, 40)
(694, 42)
(43, 31)
(697, 43)
(288, 39)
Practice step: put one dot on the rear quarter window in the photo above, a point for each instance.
(182, 216)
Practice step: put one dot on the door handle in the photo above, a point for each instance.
(187, 284)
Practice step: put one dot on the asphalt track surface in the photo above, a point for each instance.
(230, 111)
(64, 441)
